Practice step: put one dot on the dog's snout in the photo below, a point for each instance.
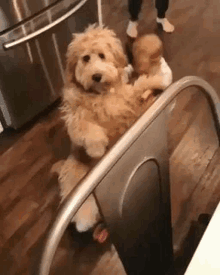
(97, 77)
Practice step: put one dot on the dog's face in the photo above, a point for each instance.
(94, 59)
(95, 69)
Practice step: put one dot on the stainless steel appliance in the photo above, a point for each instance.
(33, 40)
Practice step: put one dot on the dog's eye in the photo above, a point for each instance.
(102, 56)
(86, 58)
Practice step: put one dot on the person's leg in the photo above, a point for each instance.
(134, 8)
(162, 6)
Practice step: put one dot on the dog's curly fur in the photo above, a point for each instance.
(98, 105)
(97, 102)
(70, 172)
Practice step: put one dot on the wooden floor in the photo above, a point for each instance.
(29, 197)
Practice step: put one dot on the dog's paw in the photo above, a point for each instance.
(96, 143)
(87, 216)
(96, 150)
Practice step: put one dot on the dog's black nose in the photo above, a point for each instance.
(97, 77)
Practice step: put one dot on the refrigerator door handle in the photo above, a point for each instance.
(14, 43)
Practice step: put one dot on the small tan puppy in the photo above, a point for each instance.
(98, 106)
(148, 59)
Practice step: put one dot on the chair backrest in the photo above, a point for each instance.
(134, 198)
(132, 188)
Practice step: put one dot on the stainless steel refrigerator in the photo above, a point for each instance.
(34, 35)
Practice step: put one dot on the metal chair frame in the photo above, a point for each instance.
(131, 184)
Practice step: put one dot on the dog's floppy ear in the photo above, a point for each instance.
(76, 35)
(70, 70)
(120, 58)
(116, 48)
(71, 60)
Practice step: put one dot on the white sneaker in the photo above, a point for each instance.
(132, 29)
(167, 26)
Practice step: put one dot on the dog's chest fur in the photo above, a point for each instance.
(112, 111)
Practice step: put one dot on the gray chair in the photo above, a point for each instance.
(131, 184)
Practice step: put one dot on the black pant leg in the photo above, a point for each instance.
(161, 6)
(134, 8)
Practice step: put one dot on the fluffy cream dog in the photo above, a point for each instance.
(98, 106)
(97, 103)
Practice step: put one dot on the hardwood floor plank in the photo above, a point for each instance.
(186, 107)
(17, 217)
(188, 164)
(111, 263)
(10, 189)
(32, 236)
